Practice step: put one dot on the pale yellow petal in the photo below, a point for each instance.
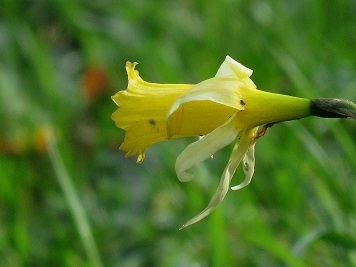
(238, 152)
(208, 104)
(205, 106)
(204, 148)
(248, 165)
(142, 111)
(232, 67)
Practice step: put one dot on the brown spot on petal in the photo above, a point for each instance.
(152, 122)
(246, 166)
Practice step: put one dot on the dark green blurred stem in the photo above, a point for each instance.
(332, 108)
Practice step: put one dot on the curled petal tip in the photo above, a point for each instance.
(182, 227)
(212, 205)
(185, 177)
(236, 187)
(140, 158)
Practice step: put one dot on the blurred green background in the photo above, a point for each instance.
(76, 201)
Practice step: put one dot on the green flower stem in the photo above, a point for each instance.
(73, 201)
(332, 108)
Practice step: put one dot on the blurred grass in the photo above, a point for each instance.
(60, 61)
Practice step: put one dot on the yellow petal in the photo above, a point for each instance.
(142, 111)
(232, 67)
(204, 148)
(248, 163)
(205, 106)
(243, 143)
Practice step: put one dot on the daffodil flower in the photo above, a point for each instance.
(222, 110)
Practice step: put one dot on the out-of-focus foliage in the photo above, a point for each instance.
(76, 201)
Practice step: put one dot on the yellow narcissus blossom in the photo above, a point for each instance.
(224, 109)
